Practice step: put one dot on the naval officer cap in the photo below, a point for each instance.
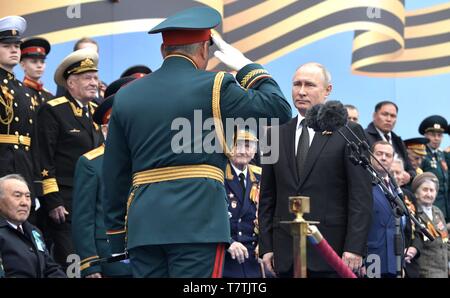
(137, 71)
(246, 135)
(188, 26)
(11, 29)
(77, 62)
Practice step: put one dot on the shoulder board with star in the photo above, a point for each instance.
(95, 153)
(57, 101)
(255, 169)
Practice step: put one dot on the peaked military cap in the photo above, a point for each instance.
(11, 28)
(34, 47)
(417, 145)
(188, 26)
(103, 111)
(433, 123)
(76, 63)
(137, 71)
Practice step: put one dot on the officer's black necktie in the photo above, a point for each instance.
(85, 111)
(242, 182)
(302, 147)
(19, 228)
(387, 137)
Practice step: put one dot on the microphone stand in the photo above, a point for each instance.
(399, 208)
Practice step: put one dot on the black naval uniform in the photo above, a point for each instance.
(17, 115)
(65, 133)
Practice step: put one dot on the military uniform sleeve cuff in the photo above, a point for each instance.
(86, 268)
(116, 240)
(250, 74)
(49, 185)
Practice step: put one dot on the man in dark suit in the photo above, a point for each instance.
(22, 247)
(314, 164)
(65, 132)
(176, 218)
(381, 129)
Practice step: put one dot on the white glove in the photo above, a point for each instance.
(229, 55)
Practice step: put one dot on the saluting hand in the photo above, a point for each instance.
(238, 251)
(229, 55)
(58, 214)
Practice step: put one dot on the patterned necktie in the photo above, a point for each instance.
(387, 137)
(302, 147)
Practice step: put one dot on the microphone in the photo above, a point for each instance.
(332, 116)
(311, 117)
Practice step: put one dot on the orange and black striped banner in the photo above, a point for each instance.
(389, 41)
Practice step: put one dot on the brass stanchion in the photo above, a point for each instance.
(299, 229)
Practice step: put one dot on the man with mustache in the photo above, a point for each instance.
(65, 132)
(22, 247)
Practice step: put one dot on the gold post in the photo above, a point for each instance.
(299, 205)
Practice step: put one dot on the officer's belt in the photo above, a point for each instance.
(178, 172)
(15, 140)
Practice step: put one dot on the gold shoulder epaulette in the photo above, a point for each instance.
(57, 101)
(95, 153)
(255, 169)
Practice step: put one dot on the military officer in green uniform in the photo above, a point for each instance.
(433, 128)
(17, 110)
(34, 51)
(88, 226)
(65, 132)
(166, 199)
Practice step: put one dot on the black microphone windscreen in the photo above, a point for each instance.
(311, 117)
(332, 116)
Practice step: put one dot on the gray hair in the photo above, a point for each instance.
(399, 160)
(10, 177)
(189, 49)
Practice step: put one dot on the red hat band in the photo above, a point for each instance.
(183, 37)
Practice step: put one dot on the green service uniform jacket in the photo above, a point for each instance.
(64, 134)
(151, 119)
(88, 225)
(437, 164)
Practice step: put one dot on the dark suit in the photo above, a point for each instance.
(242, 210)
(341, 198)
(373, 136)
(25, 255)
(88, 224)
(64, 134)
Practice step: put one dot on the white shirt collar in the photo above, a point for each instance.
(428, 211)
(238, 172)
(382, 134)
(80, 103)
(12, 225)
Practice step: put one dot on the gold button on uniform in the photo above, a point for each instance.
(17, 119)
(20, 84)
(16, 133)
(5, 81)
(27, 148)
(27, 94)
(240, 233)
(31, 121)
(16, 147)
(12, 91)
(15, 104)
